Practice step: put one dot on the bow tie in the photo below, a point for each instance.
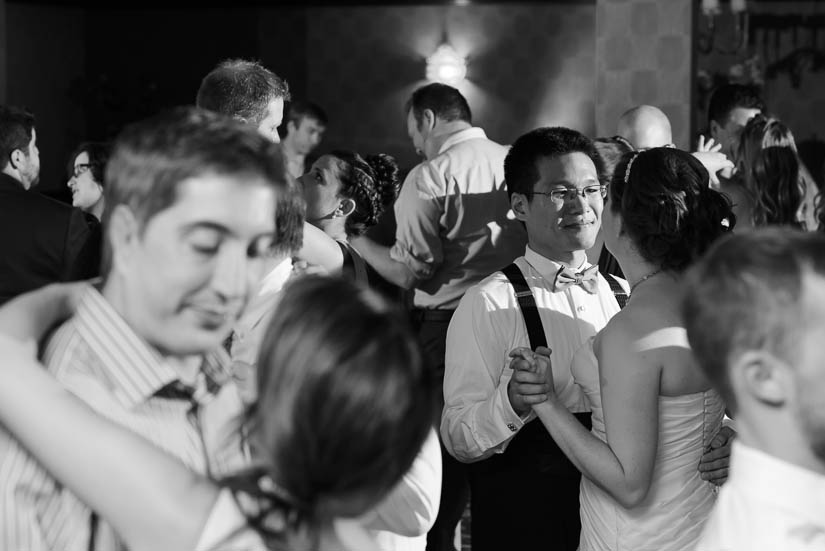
(587, 279)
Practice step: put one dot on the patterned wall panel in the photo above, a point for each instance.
(528, 65)
(644, 56)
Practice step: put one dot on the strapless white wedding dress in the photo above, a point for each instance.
(679, 502)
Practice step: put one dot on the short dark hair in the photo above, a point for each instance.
(298, 110)
(746, 293)
(521, 171)
(16, 127)
(444, 101)
(667, 206)
(371, 182)
(241, 89)
(728, 97)
(98, 153)
(345, 400)
(152, 157)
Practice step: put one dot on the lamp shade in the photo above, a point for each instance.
(446, 66)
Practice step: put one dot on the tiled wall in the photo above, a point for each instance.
(644, 56)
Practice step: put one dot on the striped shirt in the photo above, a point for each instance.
(99, 358)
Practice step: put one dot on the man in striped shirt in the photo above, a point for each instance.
(191, 215)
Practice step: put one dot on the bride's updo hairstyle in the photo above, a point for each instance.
(667, 207)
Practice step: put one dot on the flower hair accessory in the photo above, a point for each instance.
(629, 165)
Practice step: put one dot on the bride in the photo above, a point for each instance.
(654, 413)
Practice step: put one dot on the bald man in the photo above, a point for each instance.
(645, 126)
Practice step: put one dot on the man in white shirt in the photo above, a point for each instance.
(755, 316)
(524, 491)
(454, 228)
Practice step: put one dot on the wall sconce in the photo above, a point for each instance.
(711, 10)
(446, 66)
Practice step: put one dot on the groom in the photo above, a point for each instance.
(525, 492)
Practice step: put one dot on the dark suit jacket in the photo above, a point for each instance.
(43, 241)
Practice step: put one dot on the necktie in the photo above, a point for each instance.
(587, 279)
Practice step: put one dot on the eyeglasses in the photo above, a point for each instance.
(562, 194)
(80, 169)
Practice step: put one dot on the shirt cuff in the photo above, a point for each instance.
(422, 270)
(512, 420)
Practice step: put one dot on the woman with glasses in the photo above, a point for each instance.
(343, 409)
(653, 412)
(86, 169)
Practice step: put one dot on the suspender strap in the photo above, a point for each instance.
(93, 522)
(527, 303)
(618, 290)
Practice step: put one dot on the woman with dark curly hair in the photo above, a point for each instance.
(654, 413)
(345, 195)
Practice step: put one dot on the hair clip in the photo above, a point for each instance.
(624, 141)
(629, 165)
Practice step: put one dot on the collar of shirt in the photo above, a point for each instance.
(473, 133)
(275, 280)
(546, 267)
(135, 369)
(779, 482)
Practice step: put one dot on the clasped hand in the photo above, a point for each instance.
(532, 379)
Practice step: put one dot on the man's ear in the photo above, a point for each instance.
(428, 119)
(123, 234)
(520, 206)
(291, 128)
(763, 376)
(17, 158)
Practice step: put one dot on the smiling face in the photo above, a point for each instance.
(86, 192)
(186, 275)
(561, 231)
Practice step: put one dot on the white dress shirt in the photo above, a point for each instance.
(248, 332)
(478, 420)
(767, 504)
(403, 518)
(454, 224)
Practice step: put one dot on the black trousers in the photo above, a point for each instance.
(528, 497)
(432, 332)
